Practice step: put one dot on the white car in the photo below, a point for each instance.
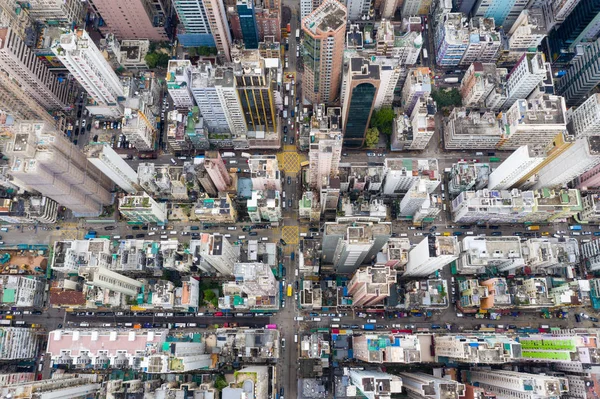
(418, 234)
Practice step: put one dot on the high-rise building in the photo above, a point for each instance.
(361, 83)
(527, 32)
(265, 206)
(415, 7)
(264, 172)
(431, 255)
(194, 29)
(308, 6)
(79, 54)
(179, 83)
(24, 72)
(451, 39)
(255, 83)
(582, 76)
(405, 46)
(214, 254)
(56, 11)
(353, 241)
(213, 163)
(515, 167)
(585, 120)
(18, 343)
(44, 160)
(484, 42)
(561, 9)
(505, 13)
(580, 26)
(205, 93)
(358, 9)
(104, 278)
(143, 209)
(402, 173)
(591, 178)
(246, 13)
(371, 285)
(138, 126)
(324, 39)
(375, 384)
(477, 83)
(66, 386)
(325, 149)
(519, 385)
(153, 19)
(110, 163)
(533, 122)
(219, 28)
(475, 349)
(472, 129)
(420, 385)
(416, 86)
(524, 77)
(474, 257)
(582, 156)
(227, 93)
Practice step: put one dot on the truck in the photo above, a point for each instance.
(575, 227)
(368, 326)
(425, 53)
(451, 80)
(287, 87)
(533, 228)
(286, 101)
(228, 154)
(297, 34)
(90, 234)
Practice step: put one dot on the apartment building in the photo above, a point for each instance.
(18, 343)
(382, 348)
(214, 254)
(484, 42)
(471, 129)
(102, 277)
(179, 83)
(351, 242)
(519, 385)
(481, 254)
(103, 157)
(264, 172)
(370, 286)
(403, 173)
(143, 209)
(524, 77)
(325, 149)
(216, 169)
(255, 288)
(477, 349)
(430, 255)
(451, 39)
(517, 166)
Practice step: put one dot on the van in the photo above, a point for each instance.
(283, 204)
(443, 188)
(296, 338)
(227, 236)
(5, 229)
(116, 237)
(241, 237)
(151, 233)
(371, 321)
(479, 154)
(470, 233)
(191, 325)
(284, 195)
(335, 326)
(164, 237)
(265, 239)
(232, 228)
(173, 232)
(316, 319)
(298, 318)
(336, 319)
(174, 162)
(232, 161)
(403, 235)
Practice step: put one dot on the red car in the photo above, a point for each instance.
(219, 314)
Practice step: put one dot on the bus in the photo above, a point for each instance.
(494, 159)
(289, 290)
(297, 34)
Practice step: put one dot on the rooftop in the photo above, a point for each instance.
(330, 16)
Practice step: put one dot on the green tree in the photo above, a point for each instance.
(209, 295)
(383, 120)
(447, 98)
(220, 382)
(151, 59)
(372, 137)
(163, 60)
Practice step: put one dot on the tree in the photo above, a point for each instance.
(220, 382)
(372, 137)
(151, 59)
(157, 60)
(383, 120)
(447, 98)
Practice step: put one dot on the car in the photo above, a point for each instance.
(285, 139)
(370, 154)
(465, 226)
(517, 233)
(110, 227)
(496, 233)
(345, 154)
(584, 315)
(285, 130)
(283, 346)
(141, 235)
(458, 233)
(289, 180)
(577, 318)
(354, 327)
(380, 155)
(289, 203)
(129, 236)
(253, 233)
(594, 319)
